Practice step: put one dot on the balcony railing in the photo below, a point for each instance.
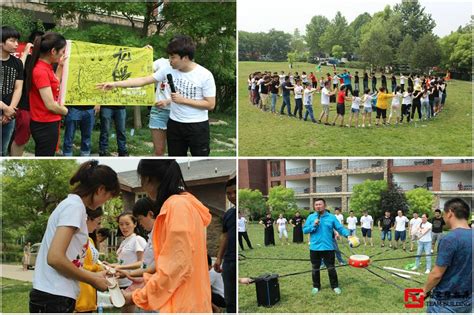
(327, 189)
(297, 171)
(300, 190)
(402, 162)
(456, 161)
(414, 185)
(328, 167)
(364, 164)
(460, 185)
(276, 173)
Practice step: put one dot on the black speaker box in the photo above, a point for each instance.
(268, 290)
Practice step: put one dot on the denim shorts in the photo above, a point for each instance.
(159, 118)
(400, 235)
(367, 109)
(355, 110)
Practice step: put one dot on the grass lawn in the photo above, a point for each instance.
(264, 134)
(15, 296)
(223, 137)
(362, 292)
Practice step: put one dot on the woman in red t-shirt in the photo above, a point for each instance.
(43, 85)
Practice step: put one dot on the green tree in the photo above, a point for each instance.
(281, 199)
(22, 21)
(405, 50)
(420, 59)
(375, 47)
(252, 202)
(414, 20)
(336, 34)
(356, 27)
(337, 51)
(292, 57)
(367, 196)
(393, 199)
(420, 200)
(314, 30)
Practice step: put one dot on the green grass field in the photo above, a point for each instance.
(15, 296)
(362, 292)
(264, 134)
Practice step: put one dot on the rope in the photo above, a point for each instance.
(397, 275)
(384, 279)
(413, 256)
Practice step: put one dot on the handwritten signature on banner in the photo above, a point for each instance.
(89, 64)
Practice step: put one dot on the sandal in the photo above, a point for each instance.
(116, 295)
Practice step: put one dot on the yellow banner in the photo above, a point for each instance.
(89, 64)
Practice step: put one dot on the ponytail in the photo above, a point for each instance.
(91, 176)
(42, 45)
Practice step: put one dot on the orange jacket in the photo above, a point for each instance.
(181, 281)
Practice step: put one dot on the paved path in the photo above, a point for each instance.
(16, 272)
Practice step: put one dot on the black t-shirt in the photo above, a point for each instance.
(263, 88)
(374, 79)
(286, 92)
(229, 223)
(25, 98)
(384, 79)
(410, 81)
(386, 223)
(268, 222)
(11, 71)
(356, 78)
(417, 97)
(394, 80)
(366, 78)
(274, 88)
(437, 225)
(298, 221)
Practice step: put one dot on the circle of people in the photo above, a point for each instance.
(425, 95)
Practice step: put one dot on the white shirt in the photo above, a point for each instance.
(366, 221)
(355, 102)
(242, 224)
(400, 223)
(424, 227)
(163, 91)
(407, 98)
(195, 84)
(402, 80)
(414, 223)
(71, 212)
(217, 284)
(148, 254)
(282, 78)
(335, 79)
(396, 99)
(298, 92)
(281, 223)
(351, 223)
(425, 97)
(325, 96)
(417, 81)
(308, 96)
(368, 101)
(340, 218)
(127, 253)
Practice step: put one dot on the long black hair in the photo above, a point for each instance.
(42, 45)
(167, 173)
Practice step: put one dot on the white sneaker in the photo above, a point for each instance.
(414, 268)
(432, 251)
(427, 271)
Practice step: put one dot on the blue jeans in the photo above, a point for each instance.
(424, 247)
(426, 109)
(352, 232)
(119, 116)
(287, 104)
(229, 269)
(453, 305)
(386, 234)
(309, 111)
(78, 118)
(338, 252)
(274, 101)
(7, 131)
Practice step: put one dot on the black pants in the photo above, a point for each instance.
(46, 137)
(184, 136)
(298, 107)
(416, 107)
(246, 237)
(349, 88)
(405, 112)
(381, 112)
(314, 85)
(328, 256)
(217, 300)
(42, 302)
(229, 271)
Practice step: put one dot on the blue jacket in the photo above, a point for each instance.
(321, 236)
(346, 77)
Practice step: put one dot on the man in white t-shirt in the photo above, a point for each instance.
(339, 216)
(423, 235)
(282, 232)
(400, 228)
(188, 125)
(242, 227)
(351, 223)
(412, 227)
(325, 100)
(367, 223)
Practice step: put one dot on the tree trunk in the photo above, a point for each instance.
(146, 22)
(137, 117)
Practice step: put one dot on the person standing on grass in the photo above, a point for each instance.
(282, 231)
(385, 226)
(450, 281)
(269, 234)
(406, 104)
(297, 222)
(26, 256)
(325, 101)
(274, 87)
(286, 88)
(400, 229)
(394, 82)
(335, 81)
(298, 90)
(308, 103)
(402, 82)
(374, 83)
(367, 115)
(437, 231)
(412, 226)
(355, 109)
(425, 104)
(384, 80)
(423, 235)
(395, 109)
(339, 216)
(314, 80)
(320, 225)
(346, 76)
(340, 107)
(365, 81)
(242, 229)
(416, 102)
(367, 224)
(356, 81)
(352, 223)
(382, 104)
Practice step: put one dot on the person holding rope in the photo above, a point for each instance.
(320, 226)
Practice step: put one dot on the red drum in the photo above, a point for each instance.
(359, 261)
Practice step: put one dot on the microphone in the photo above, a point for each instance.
(169, 77)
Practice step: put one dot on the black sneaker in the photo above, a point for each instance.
(124, 154)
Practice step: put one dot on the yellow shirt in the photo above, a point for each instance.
(383, 99)
(87, 299)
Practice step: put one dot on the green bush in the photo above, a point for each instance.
(12, 256)
(22, 21)
(356, 65)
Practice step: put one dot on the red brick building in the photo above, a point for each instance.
(253, 175)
